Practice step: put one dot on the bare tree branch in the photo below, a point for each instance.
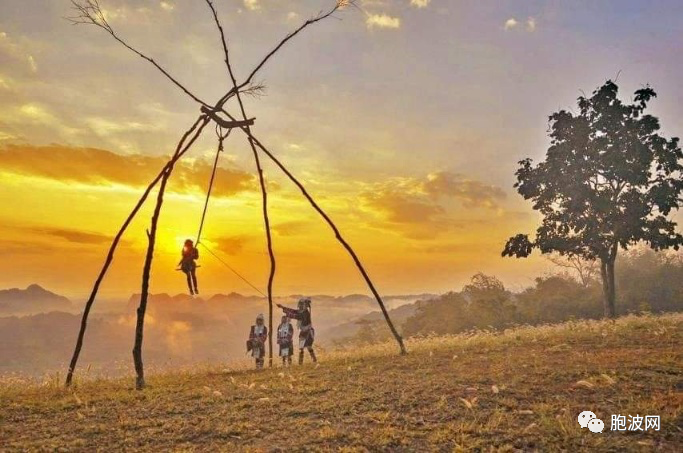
(255, 90)
(586, 270)
(89, 12)
(322, 16)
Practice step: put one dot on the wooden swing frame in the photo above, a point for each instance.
(89, 12)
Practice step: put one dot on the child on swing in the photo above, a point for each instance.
(188, 266)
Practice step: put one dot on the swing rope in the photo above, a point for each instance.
(244, 279)
(221, 138)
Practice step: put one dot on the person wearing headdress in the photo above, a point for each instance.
(257, 341)
(285, 335)
(305, 324)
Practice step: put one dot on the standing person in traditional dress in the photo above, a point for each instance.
(188, 266)
(305, 324)
(257, 341)
(285, 335)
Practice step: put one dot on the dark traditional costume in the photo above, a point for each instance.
(257, 341)
(305, 324)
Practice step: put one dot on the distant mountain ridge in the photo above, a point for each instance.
(237, 297)
(38, 328)
(34, 299)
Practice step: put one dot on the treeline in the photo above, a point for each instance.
(647, 282)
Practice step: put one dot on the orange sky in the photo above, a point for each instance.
(403, 120)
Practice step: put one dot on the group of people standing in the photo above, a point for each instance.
(285, 335)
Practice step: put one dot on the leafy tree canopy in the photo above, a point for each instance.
(609, 180)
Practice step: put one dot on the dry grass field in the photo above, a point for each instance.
(519, 389)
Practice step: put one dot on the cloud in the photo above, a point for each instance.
(4, 136)
(100, 167)
(420, 3)
(5, 84)
(104, 127)
(472, 193)
(511, 23)
(382, 21)
(231, 245)
(24, 248)
(137, 12)
(37, 112)
(419, 207)
(31, 116)
(252, 5)
(291, 228)
(167, 6)
(400, 207)
(14, 55)
(77, 236)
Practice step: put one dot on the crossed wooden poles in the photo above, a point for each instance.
(88, 12)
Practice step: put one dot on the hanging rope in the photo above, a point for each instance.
(244, 279)
(221, 138)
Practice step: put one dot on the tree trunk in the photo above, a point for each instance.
(271, 254)
(146, 272)
(608, 287)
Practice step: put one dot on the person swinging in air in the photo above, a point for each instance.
(188, 266)
(285, 335)
(257, 341)
(306, 331)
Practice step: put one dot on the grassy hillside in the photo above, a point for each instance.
(520, 389)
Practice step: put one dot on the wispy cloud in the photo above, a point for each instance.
(529, 26)
(100, 167)
(106, 127)
(291, 228)
(420, 3)
(76, 236)
(420, 206)
(252, 5)
(382, 21)
(14, 54)
(511, 23)
(167, 5)
(232, 245)
(472, 193)
(35, 114)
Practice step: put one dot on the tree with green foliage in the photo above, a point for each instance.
(609, 181)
